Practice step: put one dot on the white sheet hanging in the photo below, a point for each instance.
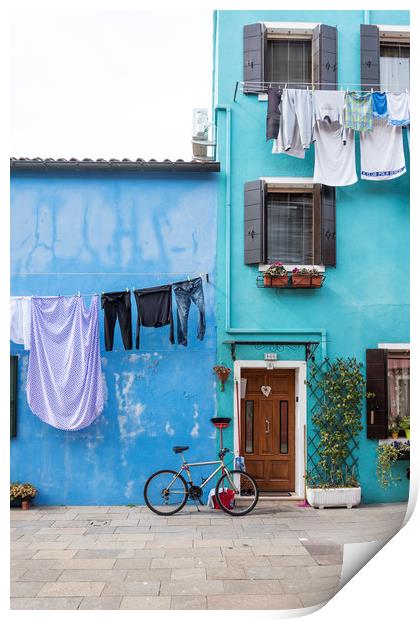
(382, 152)
(20, 321)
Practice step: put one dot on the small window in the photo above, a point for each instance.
(249, 426)
(290, 228)
(289, 60)
(398, 378)
(395, 66)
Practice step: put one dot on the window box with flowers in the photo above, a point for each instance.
(276, 275)
(302, 277)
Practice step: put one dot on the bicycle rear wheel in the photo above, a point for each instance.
(165, 492)
(237, 494)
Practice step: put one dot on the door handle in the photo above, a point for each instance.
(267, 426)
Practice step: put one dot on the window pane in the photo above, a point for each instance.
(249, 426)
(398, 387)
(284, 426)
(289, 61)
(395, 67)
(289, 228)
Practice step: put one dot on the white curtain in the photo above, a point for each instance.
(395, 74)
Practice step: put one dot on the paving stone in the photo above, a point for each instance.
(124, 523)
(169, 543)
(281, 550)
(316, 598)
(99, 554)
(320, 549)
(183, 587)
(324, 560)
(204, 552)
(72, 588)
(291, 560)
(135, 529)
(215, 542)
(230, 572)
(136, 563)
(247, 561)
(191, 574)
(325, 571)
(173, 563)
(262, 586)
(16, 573)
(146, 602)
(25, 589)
(48, 544)
(200, 562)
(32, 564)
(101, 602)
(277, 572)
(45, 603)
(188, 602)
(92, 575)
(99, 531)
(278, 601)
(40, 574)
(149, 574)
(85, 564)
(299, 586)
(132, 588)
(54, 554)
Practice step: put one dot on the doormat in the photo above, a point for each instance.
(275, 494)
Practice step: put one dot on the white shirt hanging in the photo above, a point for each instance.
(381, 152)
(20, 321)
(335, 162)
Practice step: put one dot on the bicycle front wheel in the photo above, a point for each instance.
(237, 493)
(165, 492)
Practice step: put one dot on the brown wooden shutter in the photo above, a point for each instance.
(369, 57)
(13, 394)
(255, 46)
(325, 57)
(324, 225)
(376, 383)
(254, 222)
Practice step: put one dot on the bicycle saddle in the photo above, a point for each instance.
(178, 449)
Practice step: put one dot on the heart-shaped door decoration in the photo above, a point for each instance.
(266, 389)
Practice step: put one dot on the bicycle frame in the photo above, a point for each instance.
(185, 467)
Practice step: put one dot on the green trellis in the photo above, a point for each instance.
(317, 401)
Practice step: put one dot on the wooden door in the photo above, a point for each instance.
(268, 428)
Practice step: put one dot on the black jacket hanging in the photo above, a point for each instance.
(154, 309)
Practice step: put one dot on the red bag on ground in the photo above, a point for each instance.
(226, 497)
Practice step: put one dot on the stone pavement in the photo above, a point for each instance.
(118, 557)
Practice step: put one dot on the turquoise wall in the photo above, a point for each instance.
(105, 232)
(365, 298)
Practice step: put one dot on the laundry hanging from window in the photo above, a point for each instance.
(154, 309)
(64, 384)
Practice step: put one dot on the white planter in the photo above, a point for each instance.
(319, 498)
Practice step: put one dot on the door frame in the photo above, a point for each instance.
(300, 369)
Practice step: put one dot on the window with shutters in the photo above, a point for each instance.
(385, 57)
(293, 53)
(398, 377)
(290, 228)
(289, 220)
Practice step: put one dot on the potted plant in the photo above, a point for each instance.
(387, 454)
(21, 494)
(394, 430)
(306, 278)
(276, 275)
(337, 422)
(405, 425)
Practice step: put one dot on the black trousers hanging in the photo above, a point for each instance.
(117, 305)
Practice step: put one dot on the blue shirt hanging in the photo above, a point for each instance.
(379, 105)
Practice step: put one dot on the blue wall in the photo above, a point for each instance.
(82, 233)
(365, 299)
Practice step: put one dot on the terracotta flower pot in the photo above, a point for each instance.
(394, 435)
(26, 504)
(276, 281)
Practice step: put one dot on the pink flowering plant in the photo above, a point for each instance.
(276, 269)
(304, 271)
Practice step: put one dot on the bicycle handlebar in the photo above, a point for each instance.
(223, 451)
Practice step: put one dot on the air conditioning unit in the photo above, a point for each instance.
(203, 144)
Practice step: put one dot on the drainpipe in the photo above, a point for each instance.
(320, 331)
(366, 17)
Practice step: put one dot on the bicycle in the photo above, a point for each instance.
(166, 491)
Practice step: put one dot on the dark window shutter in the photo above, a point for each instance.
(376, 383)
(324, 225)
(254, 220)
(369, 57)
(328, 226)
(255, 45)
(13, 394)
(324, 57)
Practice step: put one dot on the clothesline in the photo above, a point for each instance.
(109, 273)
(313, 85)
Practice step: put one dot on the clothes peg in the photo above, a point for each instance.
(78, 293)
(127, 290)
(207, 277)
